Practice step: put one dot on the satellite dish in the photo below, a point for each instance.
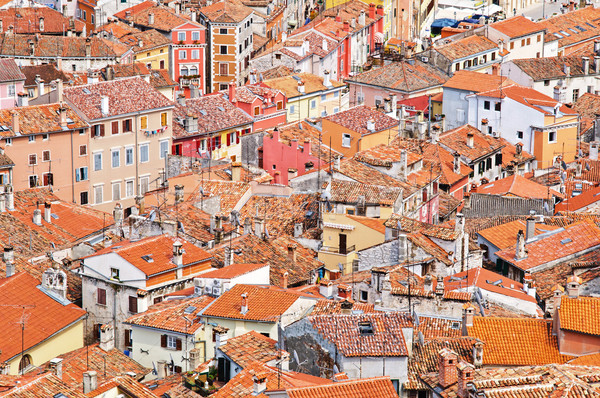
(154, 371)
(296, 357)
(421, 338)
(326, 195)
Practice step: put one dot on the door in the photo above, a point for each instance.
(342, 245)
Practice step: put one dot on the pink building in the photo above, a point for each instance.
(267, 106)
(12, 81)
(189, 47)
(287, 160)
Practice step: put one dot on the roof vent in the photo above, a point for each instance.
(365, 328)
(190, 309)
(565, 241)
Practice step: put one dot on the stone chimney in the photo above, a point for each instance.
(530, 229)
(107, 337)
(284, 282)
(456, 163)
(447, 361)
(236, 171)
(298, 230)
(9, 260)
(179, 193)
(478, 354)
(9, 196)
(56, 367)
(247, 226)
(90, 381)
(195, 358)
(37, 217)
(55, 280)
(470, 139)
(465, 376)
(15, 122)
(573, 284)
(259, 225)
(244, 307)
(48, 212)
(439, 288)
(220, 336)
(178, 253)
(428, 283)
(403, 164)
(161, 369)
(520, 252)
(585, 65)
(292, 252)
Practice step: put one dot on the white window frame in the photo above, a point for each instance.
(130, 150)
(113, 158)
(129, 184)
(182, 54)
(97, 154)
(112, 189)
(180, 35)
(346, 140)
(163, 151)
(147, 146)
(171, 342)
(196, 35)
(101, 190)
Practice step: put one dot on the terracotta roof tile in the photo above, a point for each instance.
(380, 387)
(9, 70)
(47, 72)
(251, 346)
(529, 97)
(289, 85)
(587, 18)
(549, 68)
(385, 155)
(504, 236)
(45, 315)
(466, 47)
(165, 18)
(517, 26)
(47, 46)
(350, 192)
(123, 384)
(580, 314)
(376, 224)
(44, 385)
(411, 225)
(438, 327)
(324, 307)
(117, 29)
(518, 186)
(487, 280)
(27, 20)
(37, 119)
(580, 201)
(510, 158)
(456, 141)
(587, 360)
(232, 271)
(226, 12)
(149, 40)
(424, 242)
(476, 81)
(263, 304)
(517, 341)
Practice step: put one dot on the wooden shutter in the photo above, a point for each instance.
(97, 330)
(228, 139)
(178, 344)
(133, 305)
(115, 127)
(101, 296)
(128, 337)
(102, 130)
(163, 340)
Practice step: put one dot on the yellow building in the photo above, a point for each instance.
(558, 137)
(310, 96)
(38, 323)
(150, 48)
(343, 236)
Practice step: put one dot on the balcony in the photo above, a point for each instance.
(338, 250)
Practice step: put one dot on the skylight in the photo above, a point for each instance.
(580, 28)
(148, 258)
(565, 33)
(573, 30)
(86, 91)
(365, 328)
(558, 35)
(565, 241)
(190, 309)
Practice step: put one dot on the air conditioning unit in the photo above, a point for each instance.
(216, 291)
(425, 59)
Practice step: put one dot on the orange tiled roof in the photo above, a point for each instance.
(528, 97)
(517, 26)
(123, 384)
(434, 327)
(580, 315)
(251, 346)
(36, 386)
(586, 17)
(323, 307)
(517, 341)
(160, 248)
(518, 186)
(587, 360)
(45, 316)
(38, 119)
(376, 224)
(264, 305)
(580, 201)
(456, 140)
(169, 315)
(504, 236)
(226, 12)
(466, 47)
(232, 271)
(356, 118)
(380, 387)
(27, 20)
(349, 192)
(476, 81)
(385, 155)
(574, 239)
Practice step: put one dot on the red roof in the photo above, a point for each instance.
(232, 271)
(380, 387)
(160, 251)
(528, 97)
(517, 26)
(518, 186)
(577, 202)
(487, 280)
(44, 315)
(135, 9)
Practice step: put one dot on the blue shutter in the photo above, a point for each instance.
(77, 175)
(85, 177)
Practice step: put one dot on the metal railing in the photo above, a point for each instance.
(338, 250)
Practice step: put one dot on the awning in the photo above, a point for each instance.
(338, 226)
(379, 37)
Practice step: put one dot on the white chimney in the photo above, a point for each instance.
(371, 125)
(260, 383)
(90, 381)
(586, 65)
(22, 99)
(37, 217)
(178, 253)
(326, 80)
(56, 366)
(9, 260)
(520, 252)
(161, 369)
(530, 229)
(107, 337)
(10, 197)
(40, 85)
(48, 212)
(150, 19)
(324, 45)
(104, 105)
(301, 87)
(244, 308)
(594, 150)
(362, 18)
(470, 140)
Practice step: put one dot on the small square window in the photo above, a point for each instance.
(486, 105)
(552, 136)
(497, 106)
(45, 137)
(114, 273)
(31, 138)
(82, 150)
(45, 156)
(520, 135)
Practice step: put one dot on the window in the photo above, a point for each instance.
(127, 125)
(195, 35)
(81, 174)
(488, 163)
(115, 156)
(546, 82)
(98, 161)
(223, 69)
(460, 115)
(144, 155)
(490, 131)
(195, 54)
(82, 150)
(8, 141)
(499, 159)
(164, 148)
(497, 106)
(133, 304)
(30, 92)
(114, 273)
(481, 167)
(346, 138)
(32, 159)
(552, 136)
(457, 67)
(128, 156)
(364, 295)
(98, 194)
(116, 191)
(512, 45)
(184, 71)
(47, 179)
(129, 188)
(163, 119)
(493, 56)
(11, 90)
(292, 108)
(223, 49)
(33, 181)
(323, 97)
(223, 31)
(522, 42)
(528, 40)
(181, 36)
(519, 135)
(101, 296)
(128, 339)
(98, 130)
(539, 38)
(486, 105)
(365, 328)
(144, 122)
(144, 183)
(182, 54)
(256, 110)
(45, 156)
(83, 198)
(313, 104)
(45, 137)
(171, 342)
(115, 127)
(31, 138)
(575, 94)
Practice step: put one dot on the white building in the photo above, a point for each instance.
(518, 37)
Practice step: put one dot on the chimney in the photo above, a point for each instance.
(326, 288)
(291, 252)
(10, 197)
(586, 65)
(37, 217)
(141, 203)
(151, 19)
(478, 354)
(470, 139)
(428, 283)
(2, 196)
(59, 90)
(298, 230)
(380, 10)
(62, 112)
(260, 383)
(394, 104)
(456, 163)
(9, 260)
(231, 92)
(236, 171)
(403, 164)
(179, 193)
(258, 226)
(301, 87)
(387, 106)
(447, 361)
(306, 147)
(247, 226)
(88, 47)
(597, 47)
(284, 282)
(573, 284)
(107, 337)
(195, 358)
(324, 46)
(567, 70)
(519, 148)
(48, 212)
(465, 376)
(181, 99)
(161, 369)
(362, 21)
(228, 256)
(372, 11)
(594, 150)
(104, 105)
(93, 77)
(22, 99)
(597, 64)
(556, 93)
(520, 252)
(56, 367)
(178, 253)
(337, 162)
(467, 318)
(244, 308)
(530, 229)
(15, 122)
(353, 23)
(90, 381)
(346, 26)
(220, 336)
(439, 287)
(326, 79)
(371, 125)
(305, 47)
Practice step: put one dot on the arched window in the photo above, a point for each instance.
(193, 71)
(184, 71)
(25, 363)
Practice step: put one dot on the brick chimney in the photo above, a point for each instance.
(231, 93)
(244, 308)
(372, 10)
(284, 282)
(465, 376)
(447, 361)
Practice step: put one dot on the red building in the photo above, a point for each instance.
(265, 105)
(189, 46)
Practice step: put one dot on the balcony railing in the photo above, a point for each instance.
(338, 250)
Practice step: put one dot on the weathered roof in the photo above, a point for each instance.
(46, 46)
(380, 387)
(466, 47)
(9, 70)
(517, 26)
(476, 81)
(356, 118)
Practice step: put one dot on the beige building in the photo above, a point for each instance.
(130, 136)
